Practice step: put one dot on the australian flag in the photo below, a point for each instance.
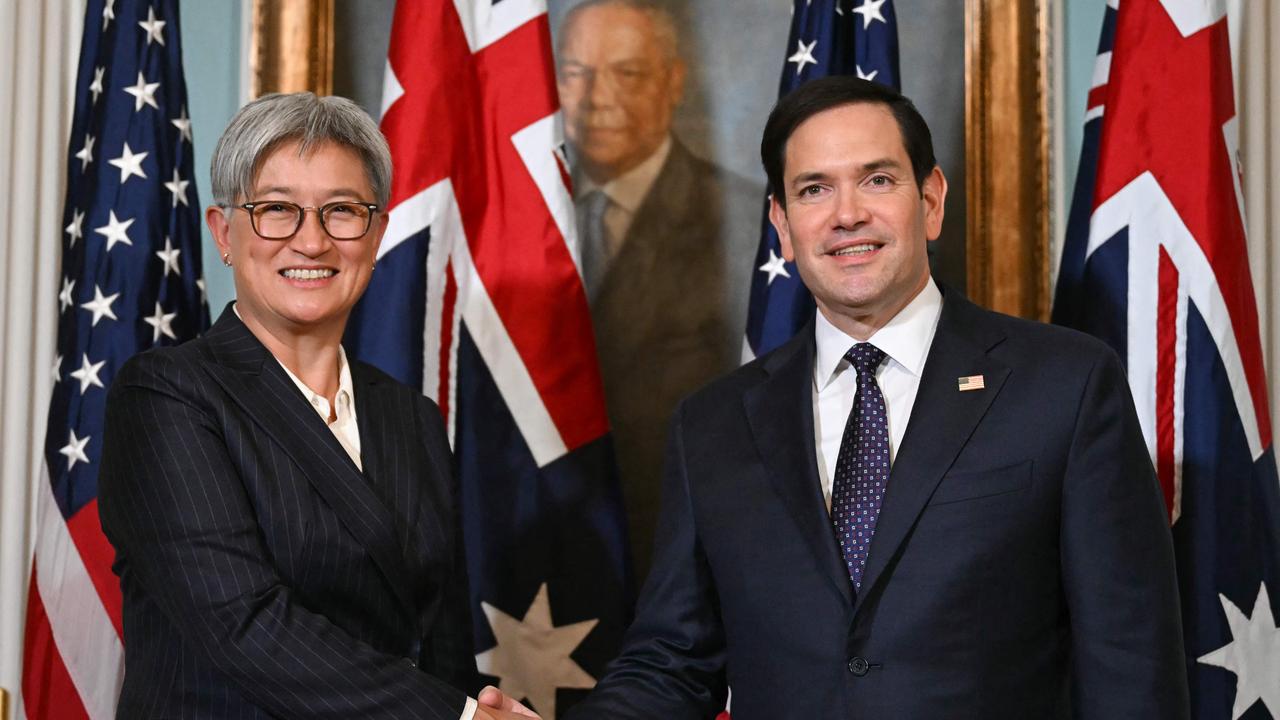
(477, 298)
(1155, 264)
(828, 37)
(130, 280)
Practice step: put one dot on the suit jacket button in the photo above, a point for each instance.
(859, 666)
(412, 664)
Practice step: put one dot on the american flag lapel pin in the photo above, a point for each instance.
(970, 382)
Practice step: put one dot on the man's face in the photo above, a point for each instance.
(618, 88)
(855, 223)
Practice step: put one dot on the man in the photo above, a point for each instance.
(668, 239)
(917, 508)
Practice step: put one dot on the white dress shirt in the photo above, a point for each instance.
(347, 431)
(626, 193)
(905, 341)
(344, 427)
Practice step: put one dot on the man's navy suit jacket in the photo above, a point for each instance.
(265, 575)
(1022, 565)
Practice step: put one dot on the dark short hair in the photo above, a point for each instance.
(835, 91)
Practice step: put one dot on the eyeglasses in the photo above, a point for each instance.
(281, 219)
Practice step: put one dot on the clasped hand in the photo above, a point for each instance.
(495, 705)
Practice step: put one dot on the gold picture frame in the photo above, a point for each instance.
(291, 47)
(1007, 155)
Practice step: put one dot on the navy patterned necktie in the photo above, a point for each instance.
(862, 467)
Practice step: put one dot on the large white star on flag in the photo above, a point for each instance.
(178, 187)
(153, 27)
(803, 55)
(775, 266)
(56, 371)
(64, 295)
(108, 14)
(183, 123)
(76, 228)
(162, 323)
(130, 164)
(86, 153)
(870, 12)
(74, 450)
(169, 256)
(865, 75)
(531, 658)
(95, 87)
(100, 305)
(204, 293)
(1253, 655)
(143, 92)
(115, 231)
(88, 374)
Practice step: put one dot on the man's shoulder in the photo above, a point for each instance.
(1023, 340)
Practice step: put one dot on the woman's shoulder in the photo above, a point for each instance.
(162, 367)
(366, 376)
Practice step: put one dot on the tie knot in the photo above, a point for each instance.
(866, 358)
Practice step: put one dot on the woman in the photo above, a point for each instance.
(284, 519)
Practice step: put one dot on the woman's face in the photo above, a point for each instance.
(309, 282)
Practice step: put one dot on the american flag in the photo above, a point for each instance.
(131, 279)
(828, 37)
(1155, 263)
(477, 299)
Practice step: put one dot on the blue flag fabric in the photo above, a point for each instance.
(828, 37)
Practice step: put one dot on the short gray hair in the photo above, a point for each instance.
(665, 30)
(263, 125)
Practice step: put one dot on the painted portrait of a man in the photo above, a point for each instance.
(667, 237)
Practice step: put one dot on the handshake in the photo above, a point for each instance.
(495, 705)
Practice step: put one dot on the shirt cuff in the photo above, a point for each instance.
(469, 710)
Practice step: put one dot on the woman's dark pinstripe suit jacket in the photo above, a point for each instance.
(264, 575)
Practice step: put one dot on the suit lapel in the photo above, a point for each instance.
(253, 379)
(942, 420)
(386, 427)
(654, 221)
(779, 409)
(653, 241)
(374, 445)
